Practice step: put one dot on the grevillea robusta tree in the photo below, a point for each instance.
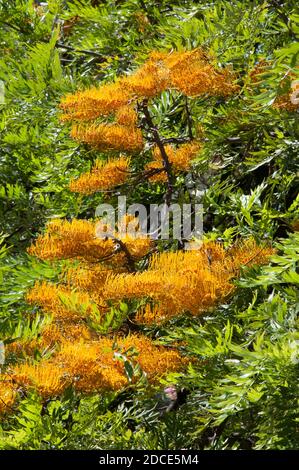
(177, 103)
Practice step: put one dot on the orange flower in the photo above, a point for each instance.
(96, 365)
(150, 79)
(90, 367)
(48, 379)
(193, 73)
(94, 102)
(7, 394)
(126, 116)
(75, 239)
(156, 177)
(154, 360)
(63, 303)
(110, 137)
(180, 158)
(87, 277)
(103, 176)
(191, 281)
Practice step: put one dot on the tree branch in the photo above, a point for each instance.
(189, 118)
(275, 4)
(12, 26)
(82, 51)
(123, 247)
(157, 139)
(173, 140)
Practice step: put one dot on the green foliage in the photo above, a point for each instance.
(242, 390)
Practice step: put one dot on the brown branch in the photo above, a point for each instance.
(276, 5)
(176, 140)
(123, 247)
(12, 26)
(82, 51)
(157, 139)
(189, 118)
(173, 140)
(147, 174)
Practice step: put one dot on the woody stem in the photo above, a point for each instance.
(157, 139)
(189, 118)
(123, 247)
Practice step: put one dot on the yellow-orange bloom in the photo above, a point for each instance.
(181, 157)
(103, 176)
(184, 155)
(154, 360)
(288, 101)
(193, 73)
(63, 303)
(75, 239)
(151, 314)
(7, 394)
(126, 116)
(47, 378)
(138, 247)
(95, 365)
(88, 277)
(150, 79)
(191, 281)
(91, 367)
(256, 74)
(60, 332)
(110, 137)
(94, 102)
(156, 177)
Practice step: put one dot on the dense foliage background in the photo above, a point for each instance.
(244, 394)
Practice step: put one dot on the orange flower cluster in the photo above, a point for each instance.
(7, 394)
(175, 282)
(66, 331)
(109, 136)
(150, 79)
(182, 156)
(191, 281)
(126, 116)
(155, 172)
(207, 272)
(77, 240)
(69, 310)
(91, 366)
(81, 295)
(191, 73)
(256, 74)
(90, 104)
(94, 102)
(88, 277)
(103, 176)
(62, 302)
(48, 379)
(180, 159)
(289, 101)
